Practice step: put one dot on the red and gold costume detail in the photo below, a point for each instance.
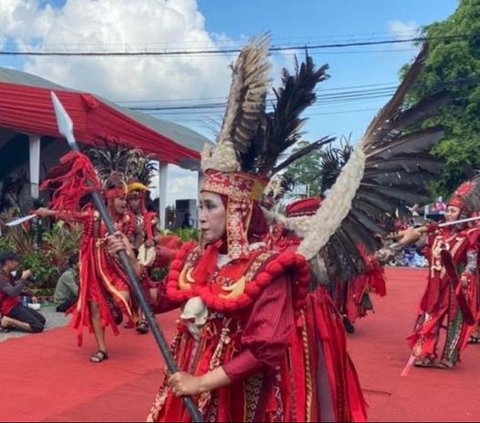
(448, 294)
(240, 189)
(325, 328)
(258, 329)
(101, 277)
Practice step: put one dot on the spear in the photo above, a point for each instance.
(65, 127)
(440, 225)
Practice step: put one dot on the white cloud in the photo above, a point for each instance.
(114, 25)
(402, 30)
(118, 25)
(126, 25)
(181, 185)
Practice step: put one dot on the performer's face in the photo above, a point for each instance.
(120, 204)
(134, 203)
(212, 217)
(452, 213)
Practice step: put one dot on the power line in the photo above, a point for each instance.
(324, 98)
(237, 50)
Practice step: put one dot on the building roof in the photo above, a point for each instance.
(25, 106)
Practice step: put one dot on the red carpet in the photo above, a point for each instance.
(49, 378)
(46, 377)
(380, 352)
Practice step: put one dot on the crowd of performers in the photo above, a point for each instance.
(263, 299)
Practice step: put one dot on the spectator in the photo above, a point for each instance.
(14, 314)
(187, 222)
(66, 290)
(10, 202)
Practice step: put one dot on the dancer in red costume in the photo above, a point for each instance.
(104, 293)
(146, 221)
(153, 250)
(245, 344)
(334, 364)
(450, 296)
(146, 229)
(353, 297)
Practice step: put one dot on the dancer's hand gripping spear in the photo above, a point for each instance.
(65, 127)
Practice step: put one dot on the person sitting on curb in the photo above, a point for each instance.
(66, 290)
(14, 313)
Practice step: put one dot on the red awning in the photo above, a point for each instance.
(28, 109)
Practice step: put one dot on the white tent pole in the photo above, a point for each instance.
(162, 191)
(34, 159)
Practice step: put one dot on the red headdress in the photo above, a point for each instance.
(303, 207)
(467, 196)
(114, 187)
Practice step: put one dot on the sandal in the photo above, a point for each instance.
(99, 356)
(425, 362)
(142, 327)
(445, 364)
(347, 324)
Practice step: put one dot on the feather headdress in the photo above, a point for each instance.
(120, 159)
(251, 140)
(386, 172)
(467, 196)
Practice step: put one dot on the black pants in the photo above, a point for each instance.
(63, 307)
(27, 315)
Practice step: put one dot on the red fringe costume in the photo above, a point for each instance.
(101, 277)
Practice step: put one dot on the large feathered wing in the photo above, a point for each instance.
(284, 124)
(385, 174)
(245, 109)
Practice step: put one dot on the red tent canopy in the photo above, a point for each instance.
(28, 109)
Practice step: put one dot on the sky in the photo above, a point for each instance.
(361, 77)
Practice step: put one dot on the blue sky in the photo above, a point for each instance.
(210, 24)
(331, 21)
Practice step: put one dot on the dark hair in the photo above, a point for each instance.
(73, 260)
(8, 255)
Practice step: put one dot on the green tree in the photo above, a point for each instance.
(454, 64)
(305, 171)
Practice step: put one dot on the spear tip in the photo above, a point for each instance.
(64, 122)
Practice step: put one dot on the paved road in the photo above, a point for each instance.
(54, 320)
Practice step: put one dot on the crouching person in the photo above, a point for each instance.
(14, 314)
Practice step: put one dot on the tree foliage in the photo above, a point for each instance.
(305, 171)
(454, 65)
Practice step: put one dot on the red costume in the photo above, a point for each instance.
(324, 320)
(277, 343)
(356, 302)
(148, 235)
(101, 278)
(246, 308)
(452, 288)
